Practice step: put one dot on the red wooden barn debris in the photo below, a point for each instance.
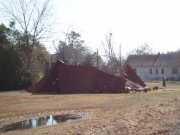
(133, 81)
(64, 78)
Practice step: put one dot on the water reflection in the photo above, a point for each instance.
(41, 121)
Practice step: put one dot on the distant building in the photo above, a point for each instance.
(155, 67)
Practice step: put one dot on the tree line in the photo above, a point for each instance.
(72, 50)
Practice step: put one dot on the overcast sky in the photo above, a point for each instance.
(132, 22)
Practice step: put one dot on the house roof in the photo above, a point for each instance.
(169, 60)
(156, 60)
(142, 60)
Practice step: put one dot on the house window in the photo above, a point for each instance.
(157, 72)
(150, 71)
(162, 71)
(174, 71)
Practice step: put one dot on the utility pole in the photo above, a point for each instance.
(97, 59)
(120, 55)
(120, 59)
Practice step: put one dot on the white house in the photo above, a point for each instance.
(155, 67)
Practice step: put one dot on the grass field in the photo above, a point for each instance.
(155, 112)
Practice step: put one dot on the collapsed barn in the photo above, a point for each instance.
(64, 79)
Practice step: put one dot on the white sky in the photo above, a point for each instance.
(132, 22)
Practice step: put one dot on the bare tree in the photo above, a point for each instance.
(30, 16)
(31, 19)
(108, 48)
(71, 50)
(114, 62)
(143, 49)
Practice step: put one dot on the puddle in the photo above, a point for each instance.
(40, 121)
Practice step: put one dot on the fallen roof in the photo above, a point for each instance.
(64, 78)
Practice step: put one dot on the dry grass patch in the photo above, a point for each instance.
(155, 112)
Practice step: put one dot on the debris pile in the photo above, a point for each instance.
(78, 79)
(133, 81)
(130, 74)
(64, 78)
